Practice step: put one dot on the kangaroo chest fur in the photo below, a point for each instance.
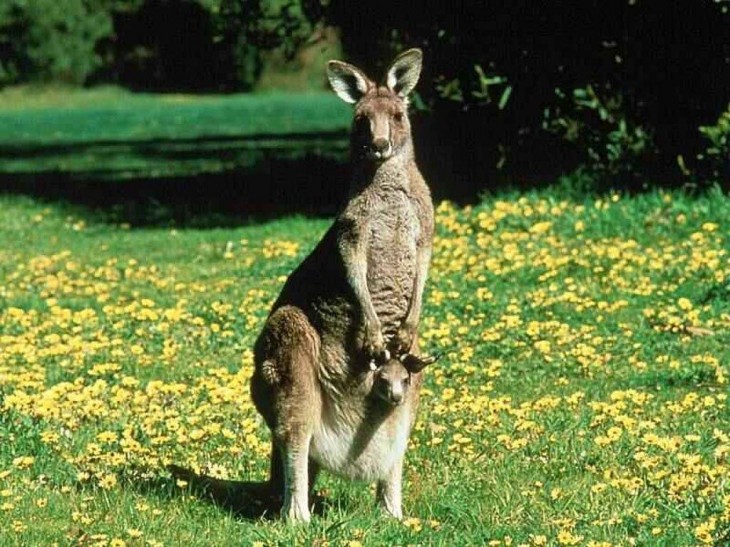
(359, 438)
(393, 233)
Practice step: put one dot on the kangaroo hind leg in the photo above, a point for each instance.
(291, 344)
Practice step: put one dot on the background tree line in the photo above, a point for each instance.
(634, 92)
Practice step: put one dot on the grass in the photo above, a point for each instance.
(111, 133)
(581, 399)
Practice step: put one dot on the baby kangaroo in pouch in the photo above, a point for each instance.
(392, 380)
(361, 286)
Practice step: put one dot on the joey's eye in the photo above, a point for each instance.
(398, 116)
(407, 380)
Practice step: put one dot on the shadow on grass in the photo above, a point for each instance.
(244, 499)
(211, 182)
(312, 185)
(249, 500)
(675, 379)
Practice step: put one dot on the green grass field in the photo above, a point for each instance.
(112, 134)
(582, 398)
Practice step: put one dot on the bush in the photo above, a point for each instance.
(48, 40)
(200, 45)
(714, 160)
(189, 45)
(247, 28)
(610, 144)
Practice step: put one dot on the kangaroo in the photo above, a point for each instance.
(354, 300)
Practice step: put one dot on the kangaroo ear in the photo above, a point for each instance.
(414, 364)
(402, 76)
(347, 81)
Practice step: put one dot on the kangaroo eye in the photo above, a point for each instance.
(398, 116)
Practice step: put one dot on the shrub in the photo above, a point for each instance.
(193, 45)
(610, 144)
(714, 160)
(48, 40)
(247, 28)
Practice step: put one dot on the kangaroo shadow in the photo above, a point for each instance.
(248, 500)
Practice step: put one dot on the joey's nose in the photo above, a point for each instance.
(396, 397)
(381, 147)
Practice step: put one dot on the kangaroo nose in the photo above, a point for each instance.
(381, 146)
(396, 397)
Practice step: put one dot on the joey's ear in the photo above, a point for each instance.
(414, 364)
(347, 81)
(402, 76)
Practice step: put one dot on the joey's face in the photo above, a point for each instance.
(392, 382)
(380, 126)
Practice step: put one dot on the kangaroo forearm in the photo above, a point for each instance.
(357, 277)
(353, 250)
(416, 302)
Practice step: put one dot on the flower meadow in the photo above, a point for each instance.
(582, 397)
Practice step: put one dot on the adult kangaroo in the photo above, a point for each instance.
(352, 302)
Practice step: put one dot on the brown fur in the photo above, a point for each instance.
(356, 298)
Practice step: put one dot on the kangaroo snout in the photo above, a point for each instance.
(381, 148)
(396, 397)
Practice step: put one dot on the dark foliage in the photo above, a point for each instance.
(200, 45)
(48, 40)
(622, 84)
(161, 45)
(512, 91)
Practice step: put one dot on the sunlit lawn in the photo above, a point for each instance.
(581, 400)
(115, 134)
